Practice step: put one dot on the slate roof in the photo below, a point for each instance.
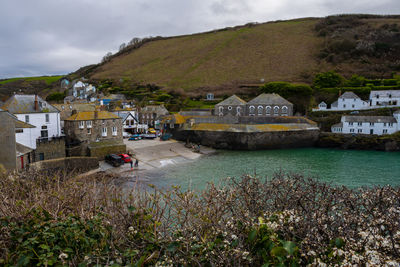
(374, 119)
(68, 108)
(90, 115)
(334, 104)
(349, 95)
(340, 124)
(269, 99)
(232, 100)
(21, 104)
(397, 112)
(160, 110)
(22, 150)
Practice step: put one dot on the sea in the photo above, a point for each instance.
(352, 168)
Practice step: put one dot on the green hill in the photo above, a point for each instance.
(223, 60)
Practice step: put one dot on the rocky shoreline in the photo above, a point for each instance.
(359, 141)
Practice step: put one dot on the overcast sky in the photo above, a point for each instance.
(43, 37)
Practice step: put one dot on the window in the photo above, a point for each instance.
(284, 110)
(377, 96)
(104, 131)
(351, 123)
(359, 124)
(89, 124)
(89, 131)
(390, 124)
(221, 111)
(352, 130)
(385, 131)
(371, 124)
(390, 96)
(352, 106)
(19, 130)
(62, 107)
(384, 124)
(81, 124)
(359, 131)
(114, 131)
(238, 109)
(251, 110)
(27, 118)
(229, 108)
(260, 110)
(276, 110)
(47, 118)
(268, 110)
(344, 105)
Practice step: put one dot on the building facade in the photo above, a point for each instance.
(151, 115)
(264, 105)
(349, 101)
(385, 98)
(33, 110)
(378, 125)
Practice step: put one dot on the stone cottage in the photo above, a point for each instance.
(269, 105)
(94, 133)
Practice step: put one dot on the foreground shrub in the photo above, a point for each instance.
(284, 221)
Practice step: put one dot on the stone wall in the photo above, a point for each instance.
(79, 164)
(51, 149)
(7, 141)
(101, 149)
(250, 119)
(250, 141)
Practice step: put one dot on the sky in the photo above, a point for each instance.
(47, 37)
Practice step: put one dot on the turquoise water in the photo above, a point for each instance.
(340, 167)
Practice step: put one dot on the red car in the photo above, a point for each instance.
(125, 157)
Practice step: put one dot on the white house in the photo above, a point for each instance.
(385, 98)
(130, 121)
(81, 90)
(35, 111)
(322, 106)
(349, 101)
(368, 124)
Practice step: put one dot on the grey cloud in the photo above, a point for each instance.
(56, 37)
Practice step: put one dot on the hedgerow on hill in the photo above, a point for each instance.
(284, 221)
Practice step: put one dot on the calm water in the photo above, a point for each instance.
(341, 167)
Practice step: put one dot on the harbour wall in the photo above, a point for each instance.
(249, 140)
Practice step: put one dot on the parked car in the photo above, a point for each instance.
(125, 134)
(135, 137)
(114, 160)
(354, 112)
(125, 157)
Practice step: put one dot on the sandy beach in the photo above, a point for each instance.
(154, 154)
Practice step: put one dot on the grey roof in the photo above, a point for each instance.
(322, 103)
(340, 124)
(269, 99)
(232, 100)
(160, 110)
(22, 150)
(397, 112)
(375, 119)
(20, 104)
(334, 104)
(349, 95)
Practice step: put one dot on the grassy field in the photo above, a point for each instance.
(48, 79)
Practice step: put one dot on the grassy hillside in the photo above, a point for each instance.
(273, 51)
(293, 51)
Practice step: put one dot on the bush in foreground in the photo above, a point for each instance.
(286, 221)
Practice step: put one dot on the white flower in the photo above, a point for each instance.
(131, 229)
(234, 237)
(63, 256)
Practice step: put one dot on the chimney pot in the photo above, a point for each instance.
(36, 103)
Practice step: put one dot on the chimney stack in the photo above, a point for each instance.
(36, 103)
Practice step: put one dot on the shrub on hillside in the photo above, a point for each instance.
(327, 79)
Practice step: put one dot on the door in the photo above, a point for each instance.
(22, 162)
(371, 131)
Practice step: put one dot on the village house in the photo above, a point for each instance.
(67, 109)
(378, 125)
(233, 105)
(32, 109)
(81, 90)
(349, 101)
(385, 98)
(151, 115)
(94, 133)
(130, 121)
